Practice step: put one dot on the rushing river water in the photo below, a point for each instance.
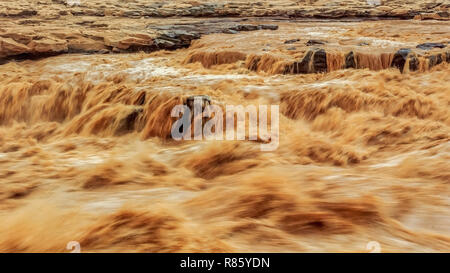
(85, 152)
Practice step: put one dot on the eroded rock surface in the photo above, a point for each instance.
(31, 29)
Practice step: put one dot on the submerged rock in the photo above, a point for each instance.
(291, 41)
(315, 42)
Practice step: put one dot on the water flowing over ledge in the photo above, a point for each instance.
(86, 153)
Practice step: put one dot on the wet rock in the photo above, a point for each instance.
(245, 27)
(350, 61)
(301, 67)
(435, 60)
(413, 63)
(319, 60)
(429, 46)
(268, 26)
(164, 44)
(205, 99)
(315, 42)
(173, 39)
(179, 35)
(291, 41)
(400, 58)
(315, 61)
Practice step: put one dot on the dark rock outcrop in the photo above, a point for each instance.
(205, 101)
(400, 58)
(403, 56)
(413, 62)
(181, 35)
(350, 61)
(319, 61)
(244, 27)
(291, 41)
(315, 61)
(429, 46)
(435, 60)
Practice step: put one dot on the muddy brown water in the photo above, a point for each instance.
(364, 153)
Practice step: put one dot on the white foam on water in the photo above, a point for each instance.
(328, 83)
(137, 70)
(115, 201)
(90, 160)
(394, 161)
(214, 77)
(111, 203)
(147, 68)
(72, 67)
(250, 88)
(341, 177)
(390, 163)
(383, 43)
(321, 32)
